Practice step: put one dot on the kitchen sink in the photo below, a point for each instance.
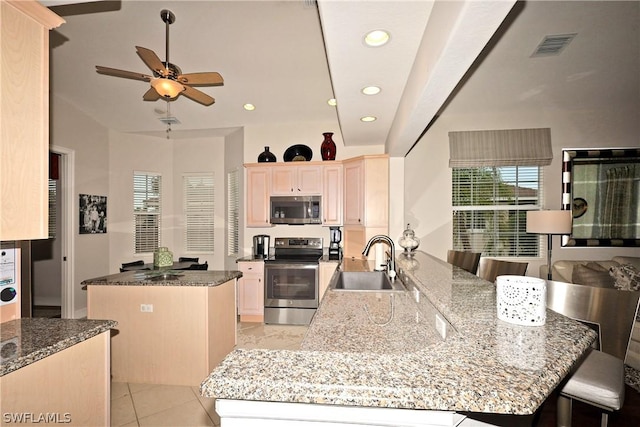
(163, 276)
(376, 281)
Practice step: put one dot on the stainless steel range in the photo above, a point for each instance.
(291, 280)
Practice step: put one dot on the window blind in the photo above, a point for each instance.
(53, 208)
(489, 209)
(512, 147)
(233, 213)
(199, 210)
(147, 203)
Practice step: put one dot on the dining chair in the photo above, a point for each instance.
(187, 259)
(464, 259)
(490, 268)
(132, 263)
(204, 266)
(599, 379)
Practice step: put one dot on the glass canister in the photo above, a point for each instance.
(409, 241)
(162, 257)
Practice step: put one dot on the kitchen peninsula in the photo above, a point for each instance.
(174, 327)
(394, 369)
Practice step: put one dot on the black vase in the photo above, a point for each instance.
(266, 156)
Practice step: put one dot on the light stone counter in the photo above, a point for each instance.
(25, 341)
(165, 278)
(483, 364)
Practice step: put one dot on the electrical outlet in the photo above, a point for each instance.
(146, 308)
(441, 326)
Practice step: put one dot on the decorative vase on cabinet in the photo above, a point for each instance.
(266, 156)
(328, 147)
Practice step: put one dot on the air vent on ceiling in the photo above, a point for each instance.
(169, 120)
(553, 45)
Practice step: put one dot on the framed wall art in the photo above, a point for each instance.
(93, 214)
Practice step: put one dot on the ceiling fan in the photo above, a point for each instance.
(167, 81)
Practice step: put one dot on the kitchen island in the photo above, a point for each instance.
(394, 369)
(174, 327)
(55, 371)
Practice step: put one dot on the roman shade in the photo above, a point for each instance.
(511, 147)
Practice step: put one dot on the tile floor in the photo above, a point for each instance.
(169, 405)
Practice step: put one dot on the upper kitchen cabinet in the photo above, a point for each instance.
(332, 184)
(296, 180)
(24, 113)
(258, 191)
(366, 191)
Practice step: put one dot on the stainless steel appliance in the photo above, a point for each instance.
(295, 210)
(261, 246)
(291, 280)
(334, 245)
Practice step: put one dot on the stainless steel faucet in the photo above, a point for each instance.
(392, 259)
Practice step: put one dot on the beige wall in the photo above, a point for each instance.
(89, 142)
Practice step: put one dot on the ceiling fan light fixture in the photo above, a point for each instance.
(167, 88)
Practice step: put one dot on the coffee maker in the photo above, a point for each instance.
(334, 243)
(261, 246)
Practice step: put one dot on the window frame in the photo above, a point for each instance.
(147, 213)
(501, 236)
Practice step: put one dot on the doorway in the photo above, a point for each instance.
(51, 259)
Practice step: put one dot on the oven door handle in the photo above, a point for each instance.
(281, 265)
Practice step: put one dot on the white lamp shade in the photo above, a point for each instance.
(549, 222)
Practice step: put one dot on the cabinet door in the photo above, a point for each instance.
(376, 192)
(309, 181)
(353, 192)
(251, 291)
(283, 180)
(24, 109)
(258, 183)
(332, 195)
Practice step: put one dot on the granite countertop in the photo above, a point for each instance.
(481, 365)
(25, 341)
(166, 278)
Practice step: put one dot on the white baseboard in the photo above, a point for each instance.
(80, 314)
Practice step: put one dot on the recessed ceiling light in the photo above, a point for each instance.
(368, 119)
(371, 90)
(332, 102)
(376, 38)
(249, 107)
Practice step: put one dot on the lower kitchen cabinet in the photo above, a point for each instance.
(251, 291)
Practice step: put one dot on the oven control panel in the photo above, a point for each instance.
(298, 242)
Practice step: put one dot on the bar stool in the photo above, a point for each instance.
(599, 379)
(489, 268)
(466, 260)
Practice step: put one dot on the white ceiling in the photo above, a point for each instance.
(289, 57)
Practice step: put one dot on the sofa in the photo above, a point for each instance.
(618, 273)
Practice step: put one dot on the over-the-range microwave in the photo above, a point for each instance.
(295, 210)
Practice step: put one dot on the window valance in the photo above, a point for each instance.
(511, 147)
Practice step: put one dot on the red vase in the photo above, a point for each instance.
(328, 147)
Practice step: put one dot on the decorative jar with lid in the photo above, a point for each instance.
(409, 241)
(162, 257)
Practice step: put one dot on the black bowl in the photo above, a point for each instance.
(298, 152)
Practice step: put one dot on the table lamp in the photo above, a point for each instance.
(549, 223)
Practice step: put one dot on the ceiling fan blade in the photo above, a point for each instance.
(201, 79)
(151, 95)
(153, 62)
(197, 96)
(121, 73)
